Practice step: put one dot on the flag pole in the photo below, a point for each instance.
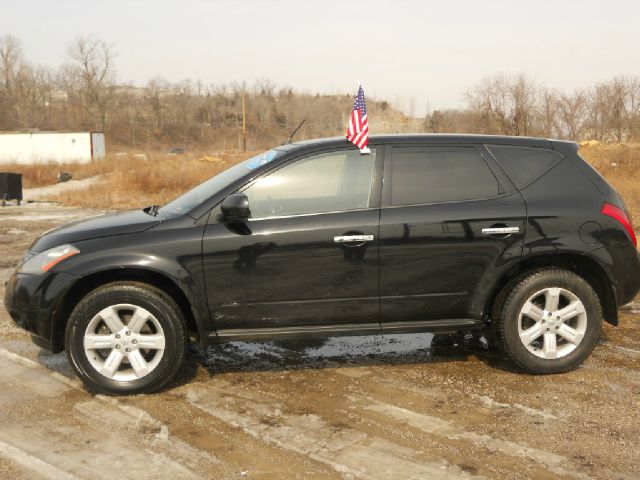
(365, 150)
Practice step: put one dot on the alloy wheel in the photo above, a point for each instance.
(552, 323)
(124, 342)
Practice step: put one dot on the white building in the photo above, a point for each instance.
(51, 147)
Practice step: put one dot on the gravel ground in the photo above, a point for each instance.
(400, 406)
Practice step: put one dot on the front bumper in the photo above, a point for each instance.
(32, 301)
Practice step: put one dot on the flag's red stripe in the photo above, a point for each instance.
(362, 137)
(357, 137)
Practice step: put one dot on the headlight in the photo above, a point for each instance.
(45, 261)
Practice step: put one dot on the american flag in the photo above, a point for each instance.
(358, 129)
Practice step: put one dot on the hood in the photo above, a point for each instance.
(95, 227)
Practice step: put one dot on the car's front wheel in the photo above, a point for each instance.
(550, 321)
(126, 337)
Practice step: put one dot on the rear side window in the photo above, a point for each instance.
(440, 174)
(523, 165)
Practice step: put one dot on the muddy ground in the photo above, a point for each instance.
(400, 406)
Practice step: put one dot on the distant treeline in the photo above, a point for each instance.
(84, 94)
(517, 105)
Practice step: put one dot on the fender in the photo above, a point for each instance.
(594, 266)
(165, 255)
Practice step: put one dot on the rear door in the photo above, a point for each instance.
(449, 218)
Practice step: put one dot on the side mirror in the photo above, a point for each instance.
(235, 208)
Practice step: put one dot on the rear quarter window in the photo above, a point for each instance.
(524, 165)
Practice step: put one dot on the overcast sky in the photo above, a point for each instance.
(429, 51)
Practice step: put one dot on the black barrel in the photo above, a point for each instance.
(10, 187)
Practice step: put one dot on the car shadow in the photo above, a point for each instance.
(348, 351)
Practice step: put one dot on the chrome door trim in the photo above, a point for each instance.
(353, 238)
(500, 230)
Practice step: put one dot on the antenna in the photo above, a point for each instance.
(288, 140)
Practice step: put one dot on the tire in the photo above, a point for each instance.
(108, 331)
(548, 321)
(493, 334)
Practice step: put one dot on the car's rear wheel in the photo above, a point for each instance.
(549, 322)
(126, 337)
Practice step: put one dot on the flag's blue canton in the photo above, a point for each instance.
(360, 103)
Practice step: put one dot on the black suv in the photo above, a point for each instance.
(441, 233)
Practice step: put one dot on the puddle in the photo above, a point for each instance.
(370, 349)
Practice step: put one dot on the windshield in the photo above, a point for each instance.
(202, 192)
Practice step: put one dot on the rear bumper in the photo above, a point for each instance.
(626, 272)
(32, 300)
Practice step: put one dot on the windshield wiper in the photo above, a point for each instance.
(151, 210)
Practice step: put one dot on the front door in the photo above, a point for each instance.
(307, 258)
(442, 232)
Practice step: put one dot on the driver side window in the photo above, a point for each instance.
(327, 182)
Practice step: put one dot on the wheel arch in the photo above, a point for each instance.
(92, 281)
(585, 266)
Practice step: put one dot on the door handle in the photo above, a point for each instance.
(353, 238)
(500, 230)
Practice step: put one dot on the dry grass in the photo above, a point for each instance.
(133, 182)
(47, 174)
(620, 165)
(129, 181)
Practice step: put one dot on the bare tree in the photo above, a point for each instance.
(617, 107)
(11, 67)
(523, 92)
(184, 102)
(25, 91)
(264, 87)
(599, 114)
(549, 115)
(574, 110)
(491, 98)
(32, 96)
(156, 89)
(11, 60)
(91, 74)
(508, 103)
(632, 114)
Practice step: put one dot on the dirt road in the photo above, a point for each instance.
(402, 406)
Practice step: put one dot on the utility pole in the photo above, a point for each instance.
(244, 124)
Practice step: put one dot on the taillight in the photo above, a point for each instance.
(622, 217)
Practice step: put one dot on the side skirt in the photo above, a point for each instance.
(343, 329)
